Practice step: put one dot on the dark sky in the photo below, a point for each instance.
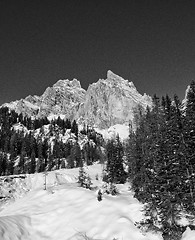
(151, 43)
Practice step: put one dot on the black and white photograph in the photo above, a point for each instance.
(97, 120)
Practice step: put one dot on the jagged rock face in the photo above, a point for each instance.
(63, 98)
(23, 106)
(106, 103)
(111, 101)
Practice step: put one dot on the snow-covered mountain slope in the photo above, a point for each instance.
(52, 134)
(111, 101)
(119, 129)
(105, 103)
(66, 211)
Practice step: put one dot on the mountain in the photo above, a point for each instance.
(63, 98)
(111, 101)
(104, 104)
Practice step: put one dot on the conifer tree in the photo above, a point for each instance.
(4, 164)
(84, 180)
(33, 162)
(82, 176)
(57, 153)
(41, 162)
(159, 166)
(75, 159)
(167, 172)
(74, 128)
(114, 168)
(67, 124)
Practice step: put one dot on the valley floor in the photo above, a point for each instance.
(68, 212)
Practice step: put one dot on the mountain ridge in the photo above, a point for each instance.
(106, 102)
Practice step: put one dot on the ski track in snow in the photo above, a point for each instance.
(66, 211)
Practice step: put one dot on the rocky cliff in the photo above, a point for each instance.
(104, 104)
(111, 101)
(63, 98)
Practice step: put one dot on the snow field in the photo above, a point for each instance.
(66, 211)
(121, 129)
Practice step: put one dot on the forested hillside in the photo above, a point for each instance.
(35, 145)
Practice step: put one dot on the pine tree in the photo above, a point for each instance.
(88, 153)
(74, 128)
(1, 164)
(33, 162)
(4, 164)
(45, 152)
(41, 162)
(51, 162)
(57, 152)
(158, 166)
(22, 162)
(76, 151)
(167, 181)
(67, 124)
(114, 168)
(84, 180)
(144, 153)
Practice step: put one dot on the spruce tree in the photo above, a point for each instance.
(33, 162)
(74, 128)
(41, 163)
(114, 168)
(159, 170)
(84, 180)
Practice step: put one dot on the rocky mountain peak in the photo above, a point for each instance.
(106, 103)
(113, 76)
(67, 84)
(117, 80)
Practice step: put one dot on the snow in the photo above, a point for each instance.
(188, 234)
(54, 116)
(20, 127)
(11, 105)
(67, 212)
(121, 129)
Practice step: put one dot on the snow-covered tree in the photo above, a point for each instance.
(84, 179)
(189, 141)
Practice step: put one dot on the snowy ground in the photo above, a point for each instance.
(67, 212)
(121, 129)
